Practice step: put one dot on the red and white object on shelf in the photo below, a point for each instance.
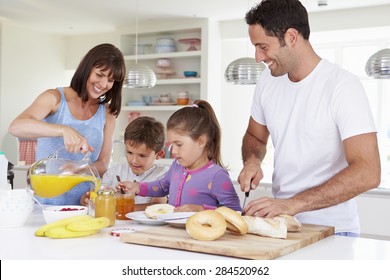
(194, 43)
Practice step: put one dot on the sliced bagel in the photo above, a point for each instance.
(235, 222)
(152, 211)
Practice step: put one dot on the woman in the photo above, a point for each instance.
(80, 118)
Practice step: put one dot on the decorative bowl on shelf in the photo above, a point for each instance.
(190, 74)
(163, 62)
(192, 42)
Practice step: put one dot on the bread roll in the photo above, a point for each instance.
(293, 225)
(269, 227)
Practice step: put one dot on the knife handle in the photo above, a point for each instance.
(247, 193)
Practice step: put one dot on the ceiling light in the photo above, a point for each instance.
(378, 65)
(139, 76)
(244, 71)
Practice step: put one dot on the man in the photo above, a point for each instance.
(319, 120)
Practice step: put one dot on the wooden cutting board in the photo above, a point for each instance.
(247, 246)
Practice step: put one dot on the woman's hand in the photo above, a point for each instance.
(74, 142)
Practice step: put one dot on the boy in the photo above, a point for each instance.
(144, 142)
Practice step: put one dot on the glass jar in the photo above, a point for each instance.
(105, 204)
(124, 205)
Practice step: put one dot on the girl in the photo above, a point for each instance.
(197, 179)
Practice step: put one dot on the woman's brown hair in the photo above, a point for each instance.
(110, 58)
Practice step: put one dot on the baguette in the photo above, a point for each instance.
(293, 225)
(269, 227)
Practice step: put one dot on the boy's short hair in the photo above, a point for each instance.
(146, 130)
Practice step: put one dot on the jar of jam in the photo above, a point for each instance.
(124, 205)
(105, 204)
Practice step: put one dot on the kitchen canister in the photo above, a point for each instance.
(182, 98)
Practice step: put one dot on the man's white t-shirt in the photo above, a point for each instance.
(307, 121)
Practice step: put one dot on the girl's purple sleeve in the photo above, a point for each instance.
(156, 188)
(224, 191)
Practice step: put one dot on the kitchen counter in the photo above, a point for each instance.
(20, 243)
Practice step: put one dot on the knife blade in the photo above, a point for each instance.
(243, 205)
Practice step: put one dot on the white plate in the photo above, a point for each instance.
(174, 216)
(177, 223)
(140, 217)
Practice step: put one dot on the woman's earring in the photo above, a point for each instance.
(102, 98)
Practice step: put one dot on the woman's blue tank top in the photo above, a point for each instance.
(92, 129)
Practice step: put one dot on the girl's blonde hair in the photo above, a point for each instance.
(195, 121)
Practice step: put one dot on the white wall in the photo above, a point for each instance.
(31, 62)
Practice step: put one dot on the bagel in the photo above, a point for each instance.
(152, 211)
(206, 225)
(235, 222)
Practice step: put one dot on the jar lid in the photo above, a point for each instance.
(106, 191)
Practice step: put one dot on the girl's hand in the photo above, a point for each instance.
(189, 208)
(128, 187)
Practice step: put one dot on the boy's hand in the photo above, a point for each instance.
(84, 200)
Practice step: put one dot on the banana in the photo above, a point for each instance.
(91, 224)
(63, 232)
(60, 223)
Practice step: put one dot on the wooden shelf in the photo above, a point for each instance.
(164, 55)
(152, 108)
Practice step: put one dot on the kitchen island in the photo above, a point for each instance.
(20, 243)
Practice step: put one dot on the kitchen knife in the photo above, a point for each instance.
(243, 206)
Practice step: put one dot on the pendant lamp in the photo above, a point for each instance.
(378, 65)
(244, 71)
(139, 76)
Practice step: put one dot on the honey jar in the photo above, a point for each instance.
(105, 204)
(124, 205)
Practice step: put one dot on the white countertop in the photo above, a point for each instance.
(20, 243)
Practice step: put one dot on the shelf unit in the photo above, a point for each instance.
(181, 60)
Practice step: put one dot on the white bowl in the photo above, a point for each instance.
(55, 213)
(15, 207)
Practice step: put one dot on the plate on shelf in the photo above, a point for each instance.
(162, 104)
(140, 217)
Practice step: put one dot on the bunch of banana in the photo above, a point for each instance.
(71, 227)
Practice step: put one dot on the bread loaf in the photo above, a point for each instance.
(270, 227)
(293, 225)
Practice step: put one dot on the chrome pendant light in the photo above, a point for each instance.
(139, 76)
(378, 65)
(244, 71)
